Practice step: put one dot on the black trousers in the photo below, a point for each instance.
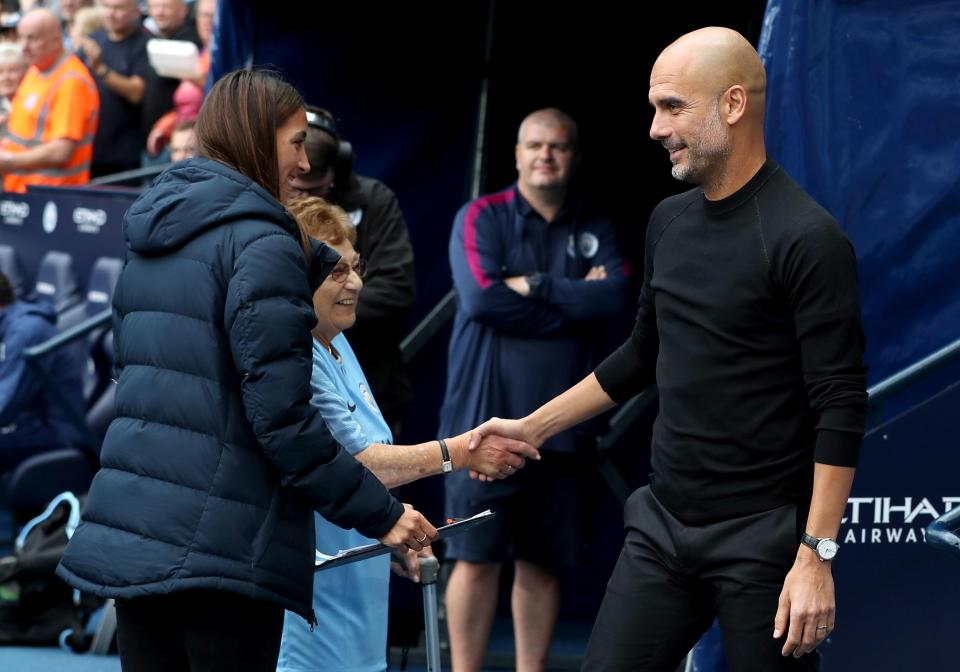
(197, 630)
(672, 579)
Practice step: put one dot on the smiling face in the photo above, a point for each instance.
(335, 303)
(291, 157)
(687, 120)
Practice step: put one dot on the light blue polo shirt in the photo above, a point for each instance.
(350, 601)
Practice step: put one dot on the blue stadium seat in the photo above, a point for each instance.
(103, 279)
(97, 349)
(102, 412)
(11, 267)
(57, 281)
(40, 478)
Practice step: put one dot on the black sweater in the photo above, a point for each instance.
(750, 317)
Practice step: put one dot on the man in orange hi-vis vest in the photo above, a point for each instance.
(48, 135)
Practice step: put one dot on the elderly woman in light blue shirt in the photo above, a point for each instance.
(351, 601)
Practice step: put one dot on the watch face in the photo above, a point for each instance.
(827, 549)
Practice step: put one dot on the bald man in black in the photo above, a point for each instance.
(749, 322)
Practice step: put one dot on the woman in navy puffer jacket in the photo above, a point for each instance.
(199, 522)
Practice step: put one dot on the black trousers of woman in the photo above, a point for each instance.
(195, 630)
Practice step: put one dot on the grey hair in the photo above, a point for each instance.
(552, 116)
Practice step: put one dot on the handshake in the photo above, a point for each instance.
(494, 450)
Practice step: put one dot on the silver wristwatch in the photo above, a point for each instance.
(826, 548)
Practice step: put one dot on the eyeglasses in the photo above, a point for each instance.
(342, 270)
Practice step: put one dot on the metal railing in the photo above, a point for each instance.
(879, 393)
(428, 327)
(135, 176)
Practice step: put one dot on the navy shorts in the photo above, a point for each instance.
(541, 513)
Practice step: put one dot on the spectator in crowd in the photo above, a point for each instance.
(200, 521)
(86, 22)
(169, 18)
(352, 601)
(53, 120)
(12, 70)
(30, 421)
(188, 96)
(117, 57)
(749, 321)
(535, 270)
(384, 242)
(165, 17)
(183, 142)
(68, 14)
(8, 26)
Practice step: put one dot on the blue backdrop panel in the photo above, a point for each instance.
(897, 597)
(382, 72)
(86, 223)
(863, 109)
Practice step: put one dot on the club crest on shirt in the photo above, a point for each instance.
(367, 397)
(588, 245)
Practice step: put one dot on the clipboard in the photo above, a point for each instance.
(368, 551)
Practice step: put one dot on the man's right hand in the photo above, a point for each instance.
(498, 457)
(411, 531)
(510, 429)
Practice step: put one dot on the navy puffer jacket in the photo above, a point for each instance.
(216, 458)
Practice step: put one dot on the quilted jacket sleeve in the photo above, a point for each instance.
(268, 317)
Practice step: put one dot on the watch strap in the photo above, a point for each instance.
(447, 465)
(809, 541)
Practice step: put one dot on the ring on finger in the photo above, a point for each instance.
(422, 539)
